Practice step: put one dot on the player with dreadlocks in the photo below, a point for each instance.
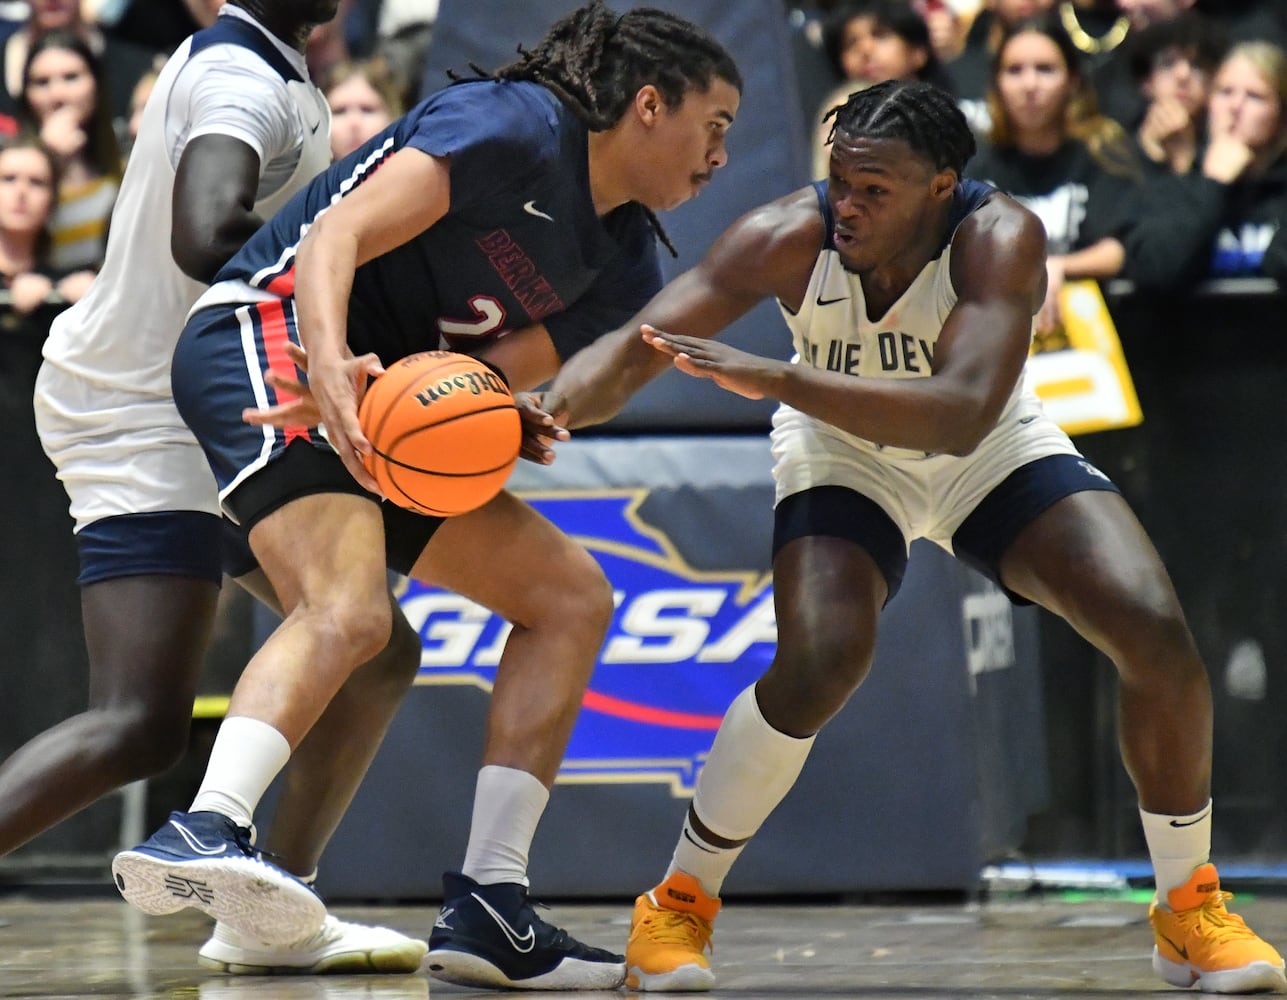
(925, 285)
(510, 217)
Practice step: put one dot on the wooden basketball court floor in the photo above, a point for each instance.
(1047, 946)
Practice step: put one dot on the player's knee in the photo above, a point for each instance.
(579, 594)
(811, 680)
(1148, 624)
(356, 631)
(146, 743)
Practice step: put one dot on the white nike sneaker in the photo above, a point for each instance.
(340, 946)
(205, 861)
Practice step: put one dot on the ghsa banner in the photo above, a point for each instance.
(683, 643)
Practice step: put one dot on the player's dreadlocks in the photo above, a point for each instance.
(920, 114)
(596, 61)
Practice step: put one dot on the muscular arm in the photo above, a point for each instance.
(999, 273)
(770, 251)
(375, 218)
(213, 203)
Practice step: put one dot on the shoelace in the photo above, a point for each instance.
(1224, 926)
(675, 927)
(244, 838)
(527, 907)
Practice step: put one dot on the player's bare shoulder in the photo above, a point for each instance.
(999, 248)
(773, 247)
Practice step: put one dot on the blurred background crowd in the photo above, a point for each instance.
(1148, 135)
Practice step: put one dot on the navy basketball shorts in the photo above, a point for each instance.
(218, 372)
(973, 506)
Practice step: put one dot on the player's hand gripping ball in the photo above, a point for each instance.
(444, 431)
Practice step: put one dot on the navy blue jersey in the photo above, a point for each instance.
(521, 242)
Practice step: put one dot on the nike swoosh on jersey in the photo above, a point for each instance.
(530, 208)
(826, 302)
(193, 842)
(520, 942)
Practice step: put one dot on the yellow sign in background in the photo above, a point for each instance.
(1080, 372)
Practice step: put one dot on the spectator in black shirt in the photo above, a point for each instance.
(1173, 63)
(1220, 218)
(1052, 150)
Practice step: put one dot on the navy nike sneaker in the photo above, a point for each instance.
(489, 936)
(204, 860)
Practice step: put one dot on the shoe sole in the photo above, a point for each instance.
(394, 960)
(685, 979)
(463, 968)
(1257, 977)
(251, 897)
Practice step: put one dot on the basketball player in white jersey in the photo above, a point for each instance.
(233, 129)
(910, 296)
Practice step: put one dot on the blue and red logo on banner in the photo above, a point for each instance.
(683, 643)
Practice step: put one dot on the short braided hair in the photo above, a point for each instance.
(596, 61)
(920, 114)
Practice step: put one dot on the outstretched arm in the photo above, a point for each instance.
(770, 251)
(998, 270)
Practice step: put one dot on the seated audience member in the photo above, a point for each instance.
(870, 41)
(62, 100)
(1173, 63)
(1051, 149)
(1218, 219)
(971, 71)
(34, 290)
(364, 99)
(1115, 73)
(123, 61)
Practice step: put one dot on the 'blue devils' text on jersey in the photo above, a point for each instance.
(520, 244)
(832, 330)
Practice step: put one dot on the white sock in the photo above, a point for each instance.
(508, 804)
(1176, 846)
(246, 757)
(748, 772)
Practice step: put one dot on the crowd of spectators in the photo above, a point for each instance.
(1148, 135)
(76, 74)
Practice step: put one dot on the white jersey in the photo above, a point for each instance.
(232, 79)
(833, 331)
(927, 495)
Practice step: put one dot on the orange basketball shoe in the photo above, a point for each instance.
(670, 934)
(1197, 941)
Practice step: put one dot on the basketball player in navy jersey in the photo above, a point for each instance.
(234, 128)
(910, 297)
(509, 216)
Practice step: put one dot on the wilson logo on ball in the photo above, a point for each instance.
(471, 382)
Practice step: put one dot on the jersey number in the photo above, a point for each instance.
(489, 318)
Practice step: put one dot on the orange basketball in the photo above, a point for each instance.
(444, 430)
